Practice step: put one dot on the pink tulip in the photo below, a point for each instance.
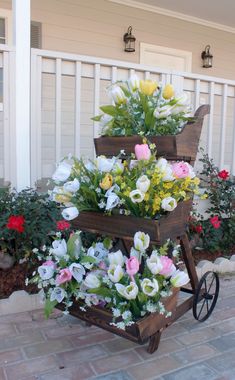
(64, 276)
(180, 169)
(142, 152)
(49, 263)
(132, 266)
(168, 266)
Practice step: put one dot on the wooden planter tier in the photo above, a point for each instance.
(171, 225)
(139, 332)
(183, 146)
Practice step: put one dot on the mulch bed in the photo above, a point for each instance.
(14, 279)
(199, 255)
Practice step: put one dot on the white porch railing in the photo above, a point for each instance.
(7, 142)
(67, 90)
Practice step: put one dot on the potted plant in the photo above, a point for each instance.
(146, 108)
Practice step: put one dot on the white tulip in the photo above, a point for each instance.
(191, 171)
(59, 248)
(134, 82)
(163, 112)
(135, 253)
(143, 183)
(77, 271)
(116, 258)
(118, 95)
(46, 271)
(115, 273)
(57, 294)
(104, 164)
(70, 213)
(136, 196)
(168, 174)
(112, 190)
(90, 166)
(72, 186)
(92, 281)
(168, 204)
(98, 251)
(112, 201)
(141, 241)
(118, 167)
(105, 119)
(154, 263)
(150, 288)
(161, 164)
(62, 172)
(129, 292)
(179, 278)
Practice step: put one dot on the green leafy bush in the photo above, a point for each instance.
(26, 220)
(217, 229)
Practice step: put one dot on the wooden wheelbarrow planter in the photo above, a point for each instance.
(182, 146)
(172, 225)
(203, 294)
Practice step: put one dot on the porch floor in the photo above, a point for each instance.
(63, 348)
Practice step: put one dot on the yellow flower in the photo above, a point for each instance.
(168, 91)
(147, 87)
(62, 198)
(106, 182)
(168, 185)
(146, 197)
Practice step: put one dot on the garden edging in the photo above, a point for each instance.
(20, 301)
(221, 265)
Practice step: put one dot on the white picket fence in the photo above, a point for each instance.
(67, 90)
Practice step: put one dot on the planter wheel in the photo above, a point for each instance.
(206, 295)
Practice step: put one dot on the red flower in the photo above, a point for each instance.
(199, 228)
(223, 174)
(15, 222)
(215, 222)
(62, 225)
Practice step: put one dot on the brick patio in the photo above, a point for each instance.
(63, 348)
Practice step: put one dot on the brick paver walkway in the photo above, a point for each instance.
(63, 348)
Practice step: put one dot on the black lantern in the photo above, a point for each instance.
(207, 57)
(129, 40)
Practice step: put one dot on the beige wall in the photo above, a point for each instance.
(96, 27)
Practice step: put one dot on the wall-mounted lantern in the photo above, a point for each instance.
(129, 40)
(207, 57)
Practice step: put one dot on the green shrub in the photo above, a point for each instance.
(217, 229)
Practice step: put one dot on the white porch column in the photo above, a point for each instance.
(21, 33)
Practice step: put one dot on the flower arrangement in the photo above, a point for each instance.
(102, 276)
(141, 186)
(216, 230)
(143, 107)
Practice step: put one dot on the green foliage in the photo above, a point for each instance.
(39, 214)
(217, 229)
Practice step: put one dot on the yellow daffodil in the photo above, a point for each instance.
(168, 92)
(106, 182)
(62, 198)
(147, 87)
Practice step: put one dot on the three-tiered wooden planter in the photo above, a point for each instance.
(203, 293)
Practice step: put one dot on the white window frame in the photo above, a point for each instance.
(7, 15)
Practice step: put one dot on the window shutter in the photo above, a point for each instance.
(36, 34)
